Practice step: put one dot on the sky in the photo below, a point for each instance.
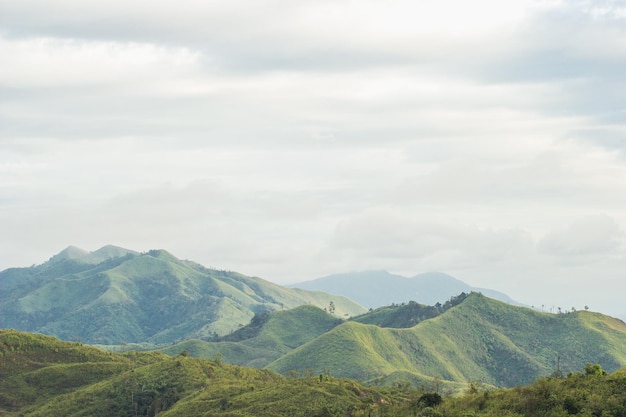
(294, 139)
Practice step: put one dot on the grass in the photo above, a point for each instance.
(479, 339)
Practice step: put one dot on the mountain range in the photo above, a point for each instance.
(122, 299)
(380, 288)
(114, 296)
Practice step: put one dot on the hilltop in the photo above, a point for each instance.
(114, 296)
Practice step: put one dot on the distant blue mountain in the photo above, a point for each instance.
(374, 289)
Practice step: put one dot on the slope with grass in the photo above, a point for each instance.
(113, 296)
(41, 376)
(265, 339)
(478, 340)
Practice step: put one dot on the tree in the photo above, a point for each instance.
(594, 369)
(331, 307)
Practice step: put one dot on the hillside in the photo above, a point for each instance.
(592, 392)
(374, 289)
(42, 376)
(114, 296)
(265, 339)
(480, 339)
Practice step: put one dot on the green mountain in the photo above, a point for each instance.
(374, 289)
(42, 376)
(113, 296)
(480, 339)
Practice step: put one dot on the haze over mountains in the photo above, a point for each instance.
(379, 288)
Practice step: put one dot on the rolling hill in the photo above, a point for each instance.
(374, 289)
(480, 339)
(265, 339)
(114, 296)
(469, 338)
(41, 376)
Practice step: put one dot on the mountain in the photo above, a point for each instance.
(480, 339)
(380, 288)
(114, 295)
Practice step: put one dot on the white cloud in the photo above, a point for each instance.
(291, 140)
(587, 237)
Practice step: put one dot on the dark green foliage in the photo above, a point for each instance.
(430, 399)
(249, 331)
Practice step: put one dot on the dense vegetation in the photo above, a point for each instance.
(114, 296)
(591, 393)
(42, 376)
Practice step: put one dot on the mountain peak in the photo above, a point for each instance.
(71, 252)
(162, 254)
(110, 251)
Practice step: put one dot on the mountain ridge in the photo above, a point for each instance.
(140, 297)
(377, 288)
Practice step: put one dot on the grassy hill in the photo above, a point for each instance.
(480, 339)
(42, 376)
(265, 339)
(114, 296)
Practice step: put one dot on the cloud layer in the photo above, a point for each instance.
(291, 140)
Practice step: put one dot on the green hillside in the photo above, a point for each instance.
(478, 340)
(588, 393)
(42, 376)
(114, 296)
(265, 339)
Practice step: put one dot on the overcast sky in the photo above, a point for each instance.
(295, 139)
